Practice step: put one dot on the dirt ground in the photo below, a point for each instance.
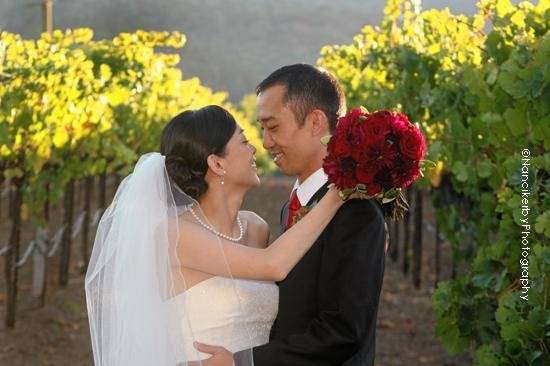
(58, 333)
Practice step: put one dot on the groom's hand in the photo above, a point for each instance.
(220, 356)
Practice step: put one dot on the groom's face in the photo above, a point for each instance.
(288, 143)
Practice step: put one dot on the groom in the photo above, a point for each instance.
(328, 303)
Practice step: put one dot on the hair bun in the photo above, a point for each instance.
(188, 178)
(189, 139)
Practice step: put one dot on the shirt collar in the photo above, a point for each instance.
(310, 186)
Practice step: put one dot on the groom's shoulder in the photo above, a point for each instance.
(356, 219)
(360, 210)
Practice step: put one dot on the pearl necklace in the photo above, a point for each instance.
(210, 228)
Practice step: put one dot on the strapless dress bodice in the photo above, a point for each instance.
(234, 313)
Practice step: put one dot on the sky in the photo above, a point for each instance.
(231, 44)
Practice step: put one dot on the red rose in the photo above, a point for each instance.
(356, 112)
(400, 123)
(412, 144)
(412, 173)
(341, 172)
(404, 173)
(379, 153)
(343, 124)
(330, 166)
(339, 146)
(365, 173)
(374, 126)
(353, 136)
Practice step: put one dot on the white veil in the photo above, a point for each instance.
(134, 274)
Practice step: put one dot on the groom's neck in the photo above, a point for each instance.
(314, 163)
(302, 176)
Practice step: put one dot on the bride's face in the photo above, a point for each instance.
(240, 161)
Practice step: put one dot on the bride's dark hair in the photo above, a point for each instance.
(187, 141)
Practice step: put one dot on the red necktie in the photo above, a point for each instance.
(294, 206)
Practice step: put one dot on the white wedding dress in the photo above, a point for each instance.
(135, 317)
(234, 313)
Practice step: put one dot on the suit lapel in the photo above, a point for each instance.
(318, 195)
(283, 216)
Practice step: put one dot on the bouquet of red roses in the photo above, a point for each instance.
(377, 154)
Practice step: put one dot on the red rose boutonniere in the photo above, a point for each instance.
(303, 212)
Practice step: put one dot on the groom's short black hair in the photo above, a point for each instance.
(307, 88)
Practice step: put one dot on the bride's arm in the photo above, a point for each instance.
(200, 250)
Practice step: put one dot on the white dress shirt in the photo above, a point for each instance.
(312, 184)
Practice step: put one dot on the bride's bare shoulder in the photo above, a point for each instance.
(257, 229)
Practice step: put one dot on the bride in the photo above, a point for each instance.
(176, 261)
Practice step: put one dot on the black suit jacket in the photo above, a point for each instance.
(328, 303)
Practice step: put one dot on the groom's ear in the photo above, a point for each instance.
(317, 122)
(215, 164)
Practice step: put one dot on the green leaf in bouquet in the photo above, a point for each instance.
(345, 193)
(348, 191)
(427, 163)
(325, 139)
(390, 195)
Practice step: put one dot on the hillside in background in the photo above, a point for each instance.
(231, 44)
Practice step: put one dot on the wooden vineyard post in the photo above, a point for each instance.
(118, 180)
(40, 265)
(417, 239)
(12, 255)
(88, 192)
(2, 179)
(437, 257)
(40, 257)
(406, 232)
(102, 199)
(65, 258)
(394, 252)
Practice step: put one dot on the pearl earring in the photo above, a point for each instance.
(223, 178)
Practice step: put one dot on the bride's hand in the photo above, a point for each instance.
(334, 195)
